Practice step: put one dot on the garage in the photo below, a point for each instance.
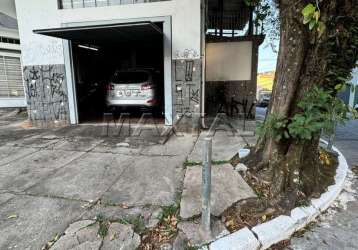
(117, 68)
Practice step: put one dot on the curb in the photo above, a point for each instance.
(271, 232)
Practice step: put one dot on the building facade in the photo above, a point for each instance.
(198, 48)
(12, 92)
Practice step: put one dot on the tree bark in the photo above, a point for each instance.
(302, 63)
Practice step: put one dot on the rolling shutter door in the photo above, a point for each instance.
(11, 84)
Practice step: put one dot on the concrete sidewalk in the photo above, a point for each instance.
(48, 178)
(51, 178)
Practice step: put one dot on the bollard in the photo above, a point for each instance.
(206, 188)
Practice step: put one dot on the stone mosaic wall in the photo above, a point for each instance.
(186, 87)
(46, 93)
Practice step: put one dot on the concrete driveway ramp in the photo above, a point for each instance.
(228, 187)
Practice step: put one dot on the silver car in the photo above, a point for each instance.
(133, 88)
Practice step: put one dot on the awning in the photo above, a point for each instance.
(99, 34)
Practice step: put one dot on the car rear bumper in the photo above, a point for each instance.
(132, 103)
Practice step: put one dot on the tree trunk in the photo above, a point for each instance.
(303, 62)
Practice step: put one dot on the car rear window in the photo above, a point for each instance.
(130, 77)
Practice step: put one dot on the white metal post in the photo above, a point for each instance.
(206, 187)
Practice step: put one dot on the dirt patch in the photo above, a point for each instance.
(280, 245)
(248, 213)
(256, 211)
(164, 232)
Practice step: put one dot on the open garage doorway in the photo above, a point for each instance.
(118, 68)
(120, 76)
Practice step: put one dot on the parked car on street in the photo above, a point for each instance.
(264, 99)
(132, 88)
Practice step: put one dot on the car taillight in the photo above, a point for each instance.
(146, 86)
(110, 87)
(152, 101)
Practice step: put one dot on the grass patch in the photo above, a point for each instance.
(103, 225)
(191, 163)
(169, 211)
(198, 163)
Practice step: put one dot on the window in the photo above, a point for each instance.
(11, 84)
(72, 4)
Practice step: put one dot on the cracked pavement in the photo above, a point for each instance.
(50, 178)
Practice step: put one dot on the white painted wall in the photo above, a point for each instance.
(228, 61)
(40, 14)
(37, 49)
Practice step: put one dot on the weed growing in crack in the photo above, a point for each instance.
(199, 163)
(171, 210)
(103, 225)
(191, 164)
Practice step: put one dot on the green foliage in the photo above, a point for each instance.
(103, 225)
(342, 45)
(251, 3)
(191, 163)
(274, 127)
(187, 163)
(311, 16)
(169, 211)
(265, 16)
(320, 110)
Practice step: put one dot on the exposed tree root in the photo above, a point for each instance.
(291, 180)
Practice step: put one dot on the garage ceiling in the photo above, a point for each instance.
(108, 34)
